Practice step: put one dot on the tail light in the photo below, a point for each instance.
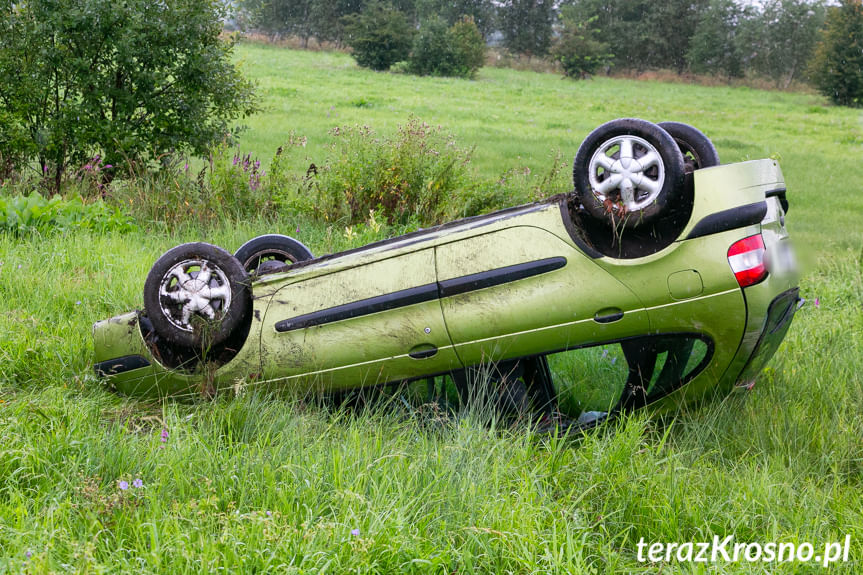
(746, 258)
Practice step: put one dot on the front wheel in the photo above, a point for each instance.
(269, 252)
(196, 295)
(628, 171)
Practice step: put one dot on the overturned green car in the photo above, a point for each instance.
(662, 277)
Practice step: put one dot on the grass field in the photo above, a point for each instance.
(275, 484)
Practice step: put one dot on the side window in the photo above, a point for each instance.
(591, 382)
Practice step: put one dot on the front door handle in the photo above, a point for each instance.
(608, 315)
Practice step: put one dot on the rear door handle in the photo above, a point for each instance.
(423, 351)
(608, 315)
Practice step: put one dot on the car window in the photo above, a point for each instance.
(589, 381)
(593, 381)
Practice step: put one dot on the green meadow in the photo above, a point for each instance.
(276, 483)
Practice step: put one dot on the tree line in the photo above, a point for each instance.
(819, 41)
(106, 87)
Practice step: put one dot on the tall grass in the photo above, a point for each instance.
(278, 483)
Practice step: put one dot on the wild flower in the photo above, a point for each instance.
(123, 485)
(138, 483)
(817, 301)
(355, 532)
(164, 436)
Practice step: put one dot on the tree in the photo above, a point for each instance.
(526, 25)
(643, 34)
(468, 46)
(283, 17)
(441, 50)
(125, 80)
(837, 67)
(670, 25)
(781, 37)
(328, 17)
(380, 36)
(577, 47)
(451, 11)
(714, 46)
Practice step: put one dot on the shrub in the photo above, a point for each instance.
(132, 79)
(515, 186)
(439, 50)
(379, 36)
(235, 181)
(579, 52)
(469, 46)
(408, 176)
(837, 67)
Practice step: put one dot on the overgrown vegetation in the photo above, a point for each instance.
(405, 177)
(20, 215)
(418, 176)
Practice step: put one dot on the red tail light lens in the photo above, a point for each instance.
(746, 258)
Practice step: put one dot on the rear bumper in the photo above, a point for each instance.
(780, 312)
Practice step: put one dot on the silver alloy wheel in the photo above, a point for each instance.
(630, 165)
(194, 287)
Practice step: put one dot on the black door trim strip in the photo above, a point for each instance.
(730, 219)
(421, 294)
(401, 298)
(499, 276)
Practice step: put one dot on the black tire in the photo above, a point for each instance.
(697, 149)
(271, 247)
(215, 309)
(660, 184)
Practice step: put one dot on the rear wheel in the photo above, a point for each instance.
(628, 171)
(196, 295)
(697, 149)
(269, 252)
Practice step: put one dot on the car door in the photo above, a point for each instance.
(368, 324)
(523, 291)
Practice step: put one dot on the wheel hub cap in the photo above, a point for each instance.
(627, 169)
(194, 288)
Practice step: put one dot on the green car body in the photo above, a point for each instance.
(518, 283)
